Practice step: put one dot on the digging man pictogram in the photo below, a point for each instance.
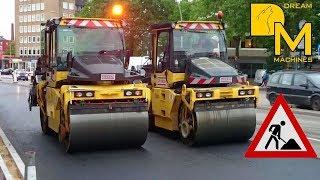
(276, 131)
(275, 134)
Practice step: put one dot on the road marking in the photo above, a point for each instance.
(15, 156)
(314, 139)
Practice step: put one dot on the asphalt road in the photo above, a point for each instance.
(160, 158)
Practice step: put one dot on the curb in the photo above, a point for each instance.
(296, 111)
(13, 153)
(4, 171)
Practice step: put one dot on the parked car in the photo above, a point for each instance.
(22, 76)
(298, 87)
(8, 71)
(258, 76)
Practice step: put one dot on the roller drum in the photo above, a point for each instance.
(224, 125)
(107, 130)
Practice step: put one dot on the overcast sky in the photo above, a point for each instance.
(6, 17)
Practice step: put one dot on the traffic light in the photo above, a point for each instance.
(117, 10)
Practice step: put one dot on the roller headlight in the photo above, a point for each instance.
(242, 92)
(82, 94)
(89, 94)
(138, 93)
(250, 92)
(204, 94)
(208, 95)
(199, 95)
(78, 94)
(128, 93)
(132, 92)
(247, 92)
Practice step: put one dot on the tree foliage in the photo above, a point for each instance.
(140, 14)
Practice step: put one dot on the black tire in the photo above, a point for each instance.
(272, 99)
(64, 140)
(188, 140)
(44, 123)
(315, 103)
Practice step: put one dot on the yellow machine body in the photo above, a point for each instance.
(58, 99)
(166, 103)
(89, 114)
(208, 117)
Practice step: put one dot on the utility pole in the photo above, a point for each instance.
(180, 10)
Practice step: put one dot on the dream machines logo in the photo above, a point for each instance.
(269, 19)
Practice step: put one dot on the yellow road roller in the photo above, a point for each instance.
(194, 89)
(84, 91)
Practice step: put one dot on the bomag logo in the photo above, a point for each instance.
(268, 20)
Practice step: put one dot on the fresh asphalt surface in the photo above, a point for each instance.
(159, 158)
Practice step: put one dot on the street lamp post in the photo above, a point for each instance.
(179, 7)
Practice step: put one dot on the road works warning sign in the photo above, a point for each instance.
(280, 136)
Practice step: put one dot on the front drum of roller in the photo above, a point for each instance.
(219, 126)
(107, 130)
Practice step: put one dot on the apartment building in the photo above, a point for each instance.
(29, 14)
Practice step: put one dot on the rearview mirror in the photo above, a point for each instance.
(304, 85)
(69, 60)
(128, 54)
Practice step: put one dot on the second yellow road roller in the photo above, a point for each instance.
(195, 91)
(84, 92)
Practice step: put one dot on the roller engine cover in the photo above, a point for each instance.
(204, 70)
(92, 66)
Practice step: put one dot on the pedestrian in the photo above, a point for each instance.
(265, 79)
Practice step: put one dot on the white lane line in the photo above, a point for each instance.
(314, 139)
(12, 152)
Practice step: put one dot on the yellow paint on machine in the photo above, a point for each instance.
(56, 98)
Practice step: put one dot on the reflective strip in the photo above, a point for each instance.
(193, 80)
(92, 23)
(201, 81)
(72, 22)
(97, 23)
(193, 26)
(209, 81)
(203, 26)
(108, 24)
(84, 23)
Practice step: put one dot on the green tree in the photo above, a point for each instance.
(138, 14)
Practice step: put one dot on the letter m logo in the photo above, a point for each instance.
(281, 32)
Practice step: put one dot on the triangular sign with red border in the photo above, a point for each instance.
(280, 135)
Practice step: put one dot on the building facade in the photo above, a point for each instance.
(4, 44)
(29, 14)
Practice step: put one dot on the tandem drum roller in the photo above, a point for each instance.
(223, 122)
